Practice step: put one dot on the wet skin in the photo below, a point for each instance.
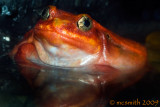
(68, 40)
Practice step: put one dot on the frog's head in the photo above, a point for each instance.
(69, 40)
(62, 29)
(65, 39)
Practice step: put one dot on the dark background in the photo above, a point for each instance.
(133, 19)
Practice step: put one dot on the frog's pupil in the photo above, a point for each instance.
(86, 23)
(44, 12)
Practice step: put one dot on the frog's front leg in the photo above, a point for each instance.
(25, 56)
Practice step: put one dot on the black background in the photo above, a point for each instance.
(133, 19)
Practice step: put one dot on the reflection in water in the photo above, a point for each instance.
(54, 86)
(75, 87)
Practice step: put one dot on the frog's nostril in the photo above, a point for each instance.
(108, 36)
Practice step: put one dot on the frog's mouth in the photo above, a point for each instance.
(63, 55)
(58, 38)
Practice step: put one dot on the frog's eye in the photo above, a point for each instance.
(45, 13)
(84, 23)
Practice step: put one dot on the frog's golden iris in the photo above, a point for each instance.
(84, 23)
(45, 13)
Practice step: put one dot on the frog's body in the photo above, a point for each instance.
(58, 41)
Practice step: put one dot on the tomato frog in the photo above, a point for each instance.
(65, 40)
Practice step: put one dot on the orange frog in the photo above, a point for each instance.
(66, 40)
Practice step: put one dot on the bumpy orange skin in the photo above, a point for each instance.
(61, 32)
